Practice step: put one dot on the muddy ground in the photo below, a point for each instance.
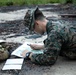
(16, 30)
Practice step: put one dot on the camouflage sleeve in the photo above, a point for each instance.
(51, 51)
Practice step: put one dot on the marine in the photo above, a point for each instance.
(60, 41)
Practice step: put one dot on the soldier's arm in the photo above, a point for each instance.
(51, 51)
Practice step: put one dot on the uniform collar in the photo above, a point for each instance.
(48, 26)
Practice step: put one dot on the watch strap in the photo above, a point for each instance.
(27, 55)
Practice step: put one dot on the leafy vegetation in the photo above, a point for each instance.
(31, 2)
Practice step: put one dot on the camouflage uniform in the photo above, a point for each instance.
(61, 40)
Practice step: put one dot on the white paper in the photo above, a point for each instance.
(2, 41)
(11, 67)
(24, 47)
(14, 61)
(13, 64)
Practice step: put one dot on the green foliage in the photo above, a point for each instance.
(68, 1)
(30, 2)
(74, 1)
(1, 3)
(9, 3)
(54, 1)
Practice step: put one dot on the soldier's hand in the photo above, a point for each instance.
(24, 53)
(36, 46)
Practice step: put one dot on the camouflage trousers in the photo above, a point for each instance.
(71, 54)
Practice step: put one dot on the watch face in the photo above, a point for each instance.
(27, 54)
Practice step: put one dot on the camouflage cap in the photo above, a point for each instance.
(29, 19)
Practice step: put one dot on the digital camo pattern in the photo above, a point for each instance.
(61, 40)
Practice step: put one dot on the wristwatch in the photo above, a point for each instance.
(27, 55)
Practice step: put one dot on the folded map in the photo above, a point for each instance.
(23, 47)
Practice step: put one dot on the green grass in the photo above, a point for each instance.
(29, 2)
(74, 1)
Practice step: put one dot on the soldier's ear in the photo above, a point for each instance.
(36, 23)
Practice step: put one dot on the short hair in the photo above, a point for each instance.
(40, 18)
(39, 15)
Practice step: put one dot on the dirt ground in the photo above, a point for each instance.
(14, 31)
